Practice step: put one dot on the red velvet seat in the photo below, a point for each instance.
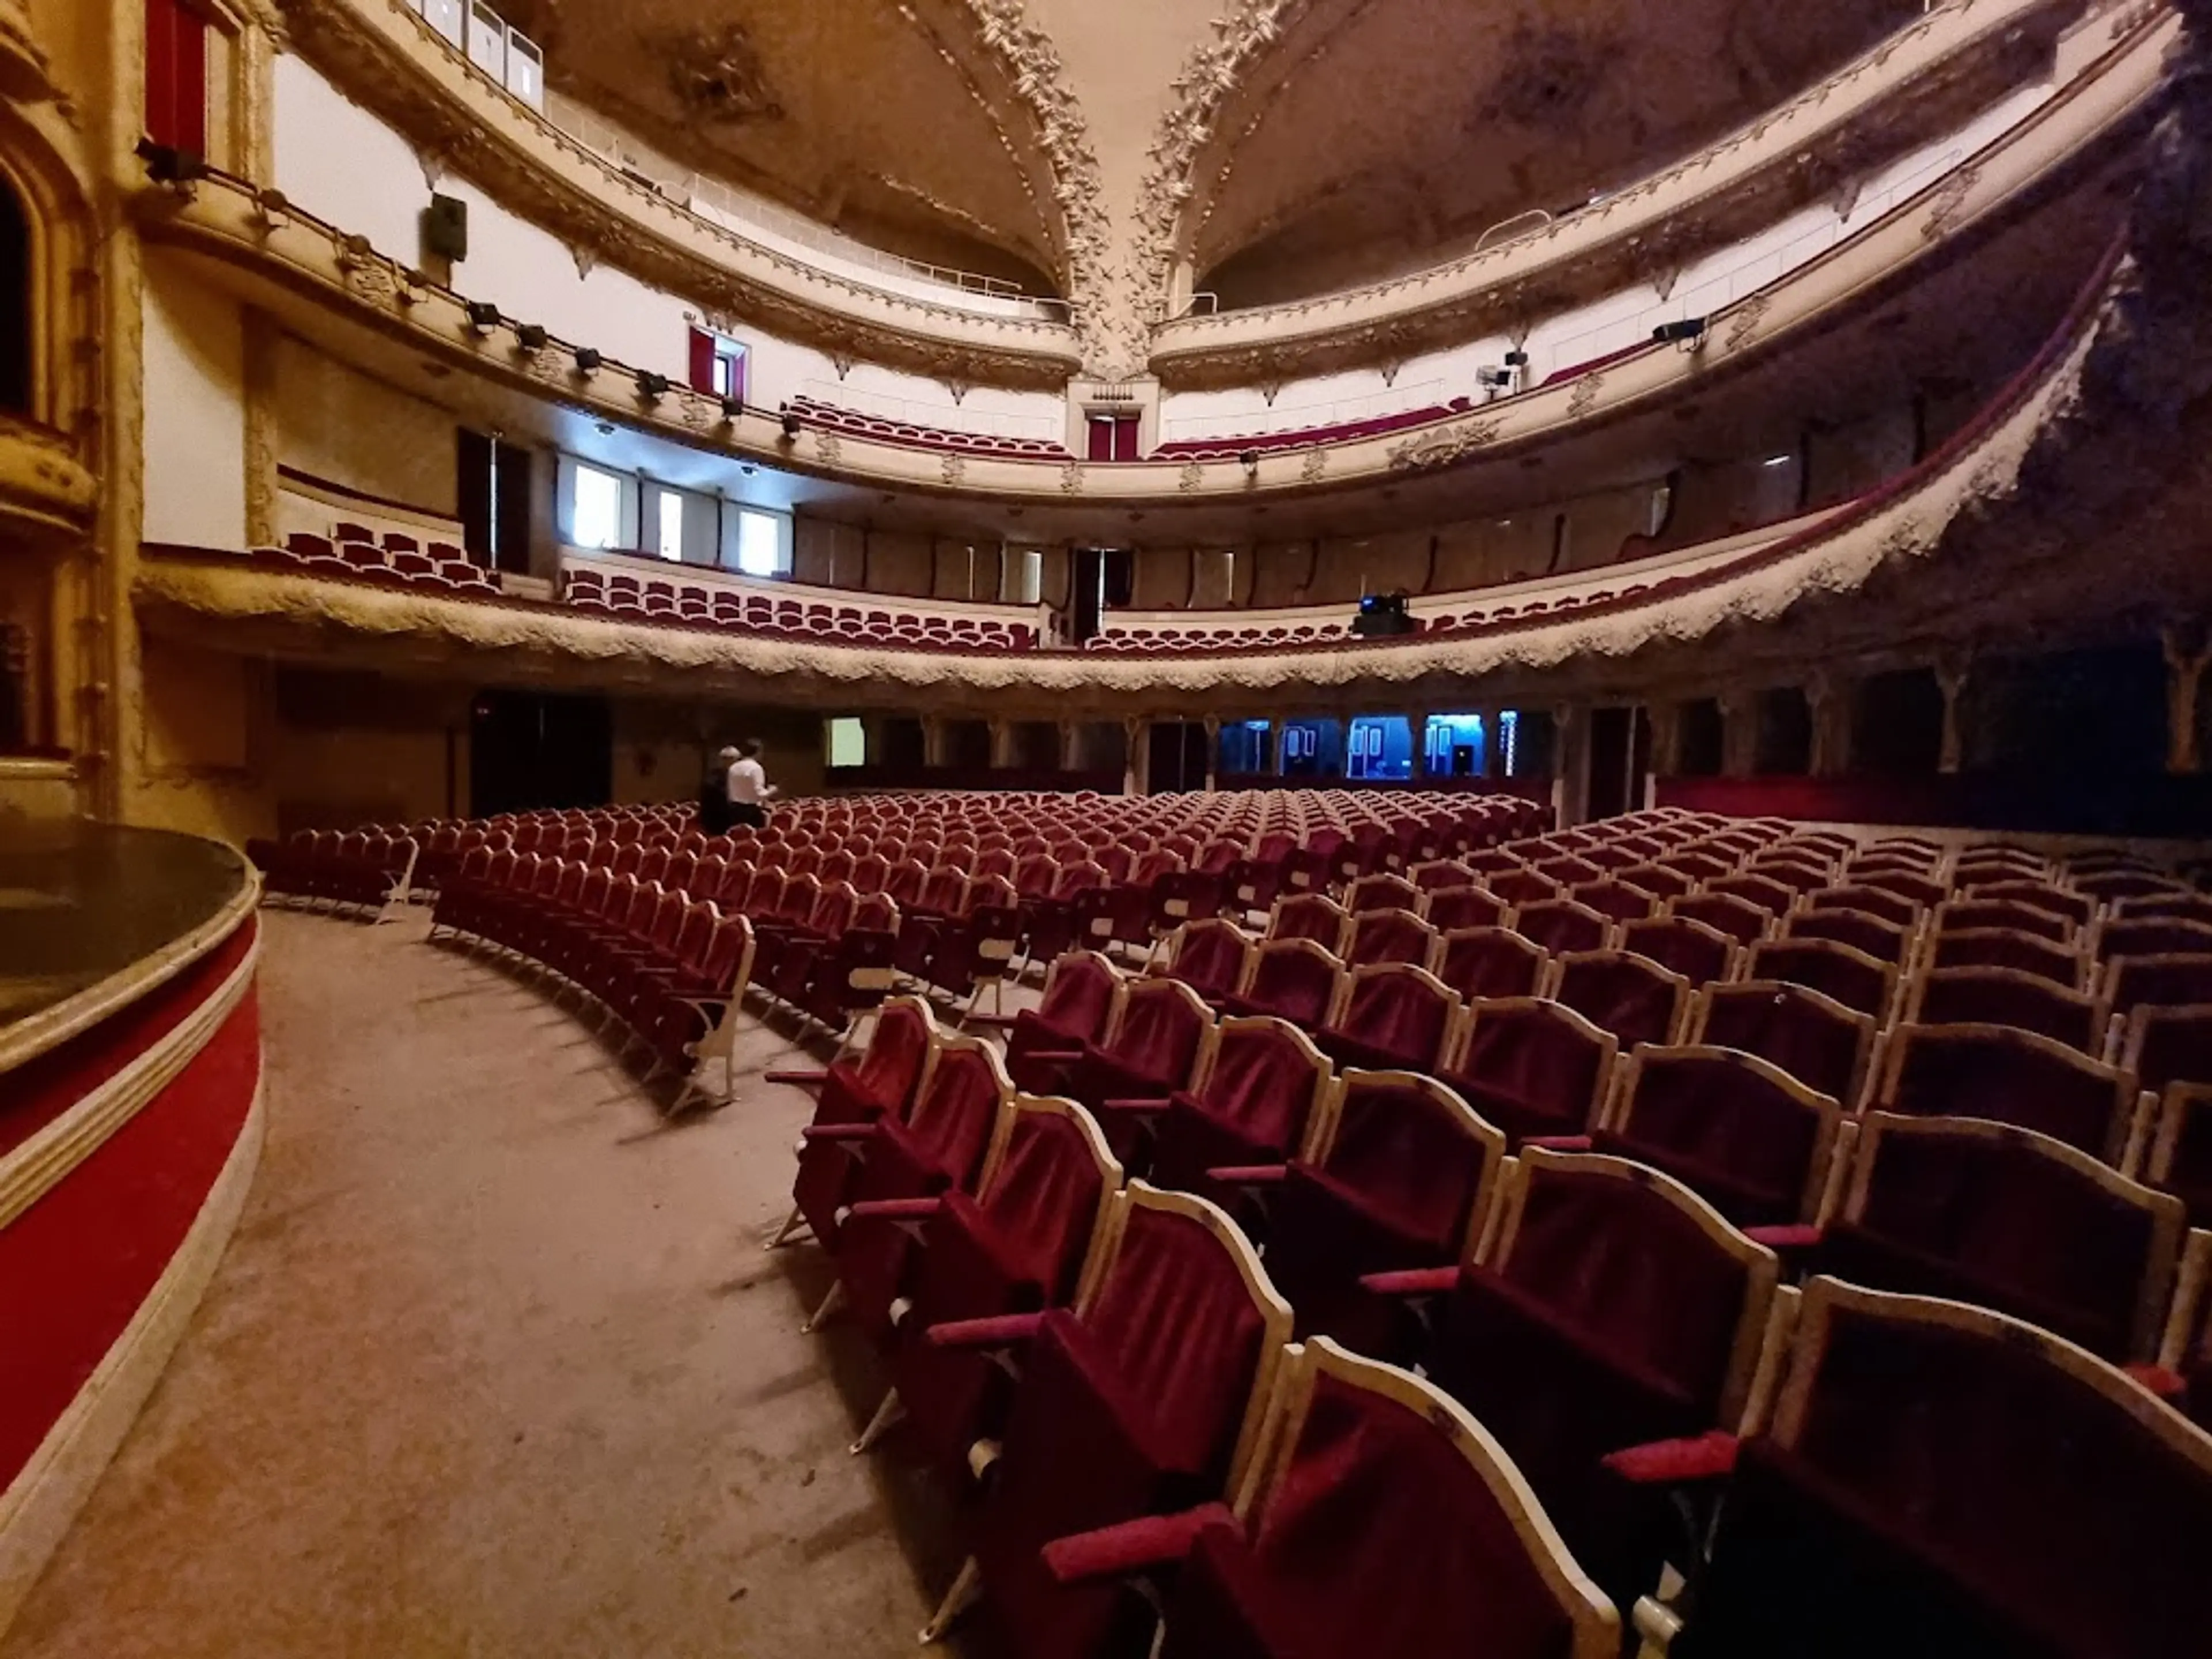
(936, 1146)
(1390, 1525)
(1398, 1178)
(2006, 996)
(1614, 1309)
(1739, 918)
(1841, 971)
(1451, 909)
(2001, 947)
(1145, 1399)
(1561, 924)
(881, 1082)
(2164, 1046)
(2011, 1076)
(1158, 1036)
(1700, 953)
(1391, 1017)
(2131, 982)
(1016, 1246)
(1309, 915)
(1388, 935)
(1812, 1036)
(1210, 956)
(1533, 1067)
(1617, 991)
(1256, 1102)
(1744, 1135)
(1879, 937)
(2005, 1218)
(1485, 962)
(1295, 980)
(1947, 1482)
(1078, 1000)
(2014, 915)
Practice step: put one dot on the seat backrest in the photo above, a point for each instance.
(1160, 1028)
(964, 1090)
(1562, 925)
(1309, 915)
(1809, 1035)
(1401, 1009)
(1176, 1296)
(2004, 1218)
(1381, 892)
(1999, 1459)
(2173, 982)
(2001, 947)
(1756, 1128)
(1893, 908)
(1209, 955)
(1490, 961)
(1618, 899)
(1879, 937)
(1841, 971)
(2006, 996)
(2017, 915)
(1770, 895)
(2154, 936)
(1048, 1179)
(2164, 1045)
(1617, 991)
(2011, 1076)
(1265, 1076)
(1700, 953)
(1469, 906)
(1527, 1050)
(1414, 1151)
(1389, 935)
(1641, 1268)
(898, 1052)
(1300, 980)
(1078, 994)
(1405, 1526)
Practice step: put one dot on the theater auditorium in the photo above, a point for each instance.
(1268, 830)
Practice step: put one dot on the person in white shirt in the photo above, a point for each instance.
(750, 789)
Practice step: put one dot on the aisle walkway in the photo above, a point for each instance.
(496, 1366)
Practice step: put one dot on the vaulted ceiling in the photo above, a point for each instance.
(1273, 148)
(1382, 135)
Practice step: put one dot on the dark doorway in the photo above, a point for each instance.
(528, 750)
(1178, 758)
(1702, 737)
(1896, 724)
(1612, 743)
(1786, 732)
(16, 298)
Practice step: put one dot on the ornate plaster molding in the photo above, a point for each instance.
(382, 53)
(46, 488)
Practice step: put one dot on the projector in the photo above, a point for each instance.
(1384, 613)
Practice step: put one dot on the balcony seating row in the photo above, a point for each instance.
(829, 417)
(357, 550)
(877, 623)
(1232, 448)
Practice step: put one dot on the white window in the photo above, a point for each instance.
(672, 525)
(848, 743)
(595, 515)
(759, 543)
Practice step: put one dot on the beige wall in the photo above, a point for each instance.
(195, 367)
(336, 423)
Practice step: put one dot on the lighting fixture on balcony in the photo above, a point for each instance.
(484, 316)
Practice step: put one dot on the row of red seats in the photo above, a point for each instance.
(1607, 1338)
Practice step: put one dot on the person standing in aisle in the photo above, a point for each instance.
(750, 789)
(715, 794)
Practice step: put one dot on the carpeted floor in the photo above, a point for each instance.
(497, 1364)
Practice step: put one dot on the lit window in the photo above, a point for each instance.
(848, 743)
(595, 520)
(760, 543)
(672, 525)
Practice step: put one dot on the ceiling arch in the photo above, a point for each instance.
(1319, 143)
(939, 129)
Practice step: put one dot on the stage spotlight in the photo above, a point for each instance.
(588, 359)
(731, 408)
(484, 316)
(653, 387)
(531, 337)
(790, 428)
(1249, 460)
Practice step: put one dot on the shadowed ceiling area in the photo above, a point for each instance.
(1380, 136)
(887, 119)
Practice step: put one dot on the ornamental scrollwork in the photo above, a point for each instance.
(1443, 447)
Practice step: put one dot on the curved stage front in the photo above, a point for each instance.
(130, 1127)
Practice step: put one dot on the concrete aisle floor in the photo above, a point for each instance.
(495, 1365)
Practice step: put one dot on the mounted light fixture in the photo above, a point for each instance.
(731, 408)
(1516, 360)
(532, 337)
(653, 387)
(791, 427)
(1689, 333)
(1249, 460)
(484, 316)
(588, 359)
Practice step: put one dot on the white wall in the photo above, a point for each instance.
(195, 367)
(342, 164)
(1612, 324)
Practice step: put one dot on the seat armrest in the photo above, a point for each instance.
(1000, 1331)
(894, 1209)
(1709, 1457)
(2167, 1385)
(836, 1132)
(1410, 1282)
(994, 1022)
(1053, 1056)
(1561, 1143)
(1123, 1550)
(1250, 1174)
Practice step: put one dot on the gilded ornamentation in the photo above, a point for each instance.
(1584, 397)
(1743, 325)
(1191, 477)
(1071, 477)
(1315, 464)
(1949, 202)
(1450, 444)
(827, 449)
(953, 469)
